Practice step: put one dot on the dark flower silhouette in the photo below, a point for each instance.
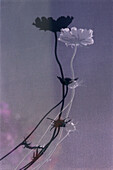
(49, 24)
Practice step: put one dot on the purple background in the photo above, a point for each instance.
(30, 88)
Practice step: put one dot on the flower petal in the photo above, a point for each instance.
(52, 25)
(76, 36)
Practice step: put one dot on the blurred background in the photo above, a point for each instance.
(29, 86)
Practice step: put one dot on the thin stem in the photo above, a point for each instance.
(46, 116)
(62, 75)
(63, 91)
(73, 90)
(63, 97)
(11, 151)
(43, 150)
(60, 66)
(22, 143)
(42, 136)
(73, 76)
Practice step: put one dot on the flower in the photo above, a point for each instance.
(74, 36)
(49, 24)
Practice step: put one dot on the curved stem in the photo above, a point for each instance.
(46, 115)
(60, 66)
(73, 76)
(63, 97)
(11, 151)
(22, 143)
(73, 90)
(62, 75)
(55, 134)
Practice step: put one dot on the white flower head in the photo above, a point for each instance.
(76, 37)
